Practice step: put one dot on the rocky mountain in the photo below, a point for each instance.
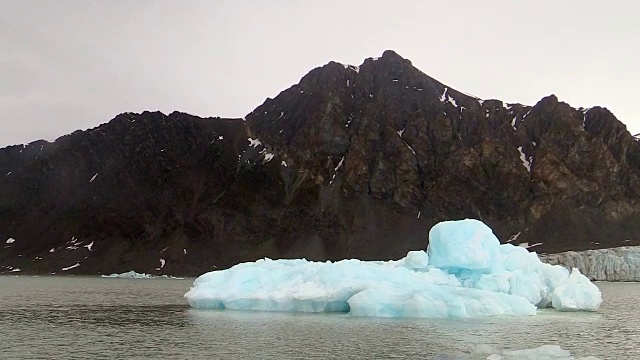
(353, 161)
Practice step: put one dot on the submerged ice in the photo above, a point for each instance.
(465, 272)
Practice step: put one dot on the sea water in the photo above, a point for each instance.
(99, 318)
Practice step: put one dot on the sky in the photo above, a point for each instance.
(75, 64)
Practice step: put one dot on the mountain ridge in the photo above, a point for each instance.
(353, 161)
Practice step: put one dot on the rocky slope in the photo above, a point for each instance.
(351, 162)
(615, 264)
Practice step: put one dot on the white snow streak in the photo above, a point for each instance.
(93, 177)
(90, 246)
(514, 237)
(10, 241)
(410, 148)
(351, 67)
(339, 164)
(254, 142)
(70, 267)
(526, 161)
(444, 98)
(268, 157)
(527, 246)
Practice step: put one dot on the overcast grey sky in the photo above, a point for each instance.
(67, 65)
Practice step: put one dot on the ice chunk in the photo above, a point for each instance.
(544, 352)
(436, 301)
(129, 275)
(577, 293)
(463, 245)
(361, 288)
(417, 260)
(135, 275)
(466, 273)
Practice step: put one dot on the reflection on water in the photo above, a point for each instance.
(71, 317)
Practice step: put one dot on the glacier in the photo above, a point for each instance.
(613, 264)
(465, 272)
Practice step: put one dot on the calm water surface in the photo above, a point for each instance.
(98, 318)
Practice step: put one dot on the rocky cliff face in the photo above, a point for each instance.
(350, 162)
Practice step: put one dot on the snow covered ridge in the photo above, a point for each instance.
(464, 273)
(614, 264)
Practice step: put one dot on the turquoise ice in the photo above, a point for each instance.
(465, 272)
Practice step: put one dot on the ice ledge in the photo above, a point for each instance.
(613, 264)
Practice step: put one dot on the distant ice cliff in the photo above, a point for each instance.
(614, 264)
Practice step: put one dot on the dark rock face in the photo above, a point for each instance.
(350, 162)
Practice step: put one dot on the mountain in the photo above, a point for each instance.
(353, 161)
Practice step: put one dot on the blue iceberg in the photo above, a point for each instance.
(465, 272)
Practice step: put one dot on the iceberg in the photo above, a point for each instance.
(544, 352)
(465, 272)
(135, 275)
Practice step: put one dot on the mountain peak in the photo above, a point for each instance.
(386, 129)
